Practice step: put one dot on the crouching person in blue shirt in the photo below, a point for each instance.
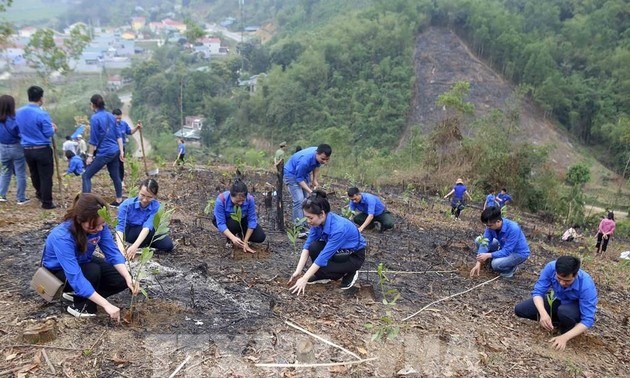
(135, 222)
(227, 208)
(334, 244)
(573, 300)
(68, 254)
(503, 243)
(75, 164)
(370, 211)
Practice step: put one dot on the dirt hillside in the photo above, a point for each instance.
(442, 59)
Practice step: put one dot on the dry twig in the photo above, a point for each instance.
(449, 297)
(322, 339)
(50, 365)
(37, 346)
(180, 367)
(405, 272)
(317, 365)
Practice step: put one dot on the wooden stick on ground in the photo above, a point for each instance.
(449, 297)
(180, 367)
(322, 339)
(317, 365)
(50, 365)
(37, 346)
(406, 272)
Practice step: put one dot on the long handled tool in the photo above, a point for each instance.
(144, 157)
(58, 169)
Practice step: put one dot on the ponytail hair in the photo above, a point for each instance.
(238, 188)
(316, 203)
(97, 101)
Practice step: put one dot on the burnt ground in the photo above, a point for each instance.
(222, 312)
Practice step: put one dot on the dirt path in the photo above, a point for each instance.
(223, 312)
(126, 99)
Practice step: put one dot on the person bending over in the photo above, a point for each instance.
(227, 207)
(334, 244)
(573, 298)
(503, 243)
(136, 217)
(370, 211)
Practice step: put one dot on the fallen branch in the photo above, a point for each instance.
(37, 346)
(50, 365)
(405, 272)
(316, 365)
(449, 297)
(179, 367)
(97, 340)
(322, 339)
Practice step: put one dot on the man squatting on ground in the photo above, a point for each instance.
(574, 300)
(370, 211)
(503, 242)
(296, 175)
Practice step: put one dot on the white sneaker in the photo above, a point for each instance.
(303, 235)
(349, 280)
(315, 280)
(68, 296)
(79, 313)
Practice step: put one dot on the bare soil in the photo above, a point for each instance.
(219, 312)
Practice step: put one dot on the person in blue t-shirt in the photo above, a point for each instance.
(503, 243)
(36, 129)
(491, 200)
(135, 222)
(181, 152)
(370, 211)
(106, 148)
(68, 254)
(334, 244)
(227, 208)
(297, 170)
(573, 298)
(125, 130)
(458, 203)
(503, 198)
(75, 164)
(11, 152)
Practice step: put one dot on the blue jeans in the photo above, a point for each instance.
(13, 163)
(297, 194)
(112, 161)
(504, 265)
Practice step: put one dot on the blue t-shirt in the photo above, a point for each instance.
(301, 164)
(491, 200)
(181, 149)
(60, 252)
(504, 198)
(224, 208)
(35, 125)
(103, 130)
(338, 233)
(459, 190)
(9, 131)
(131, 213)
(511, 239)
(76, 166)
(369, 204)
(124, 130)
(582, 290)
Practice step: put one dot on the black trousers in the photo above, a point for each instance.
(121, 166)
(601, 241)
(386, 219)
(258, 236)
(566, 316)
(336, 270)
(164, 244)
(104, 278)
(41, 165)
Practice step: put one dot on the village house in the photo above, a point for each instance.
(191, 130)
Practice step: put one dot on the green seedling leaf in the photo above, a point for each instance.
(144, 292)
(368, 326)
(209, 209)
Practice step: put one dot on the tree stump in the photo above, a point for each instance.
(305, 353)
(40, 333)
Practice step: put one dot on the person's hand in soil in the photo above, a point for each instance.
(239, 243)
(558, 343)
(130, 254)
(475, 270)
(299, 286)
(113, 312)
(545, 322)
(484, 256)
(247, 248)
